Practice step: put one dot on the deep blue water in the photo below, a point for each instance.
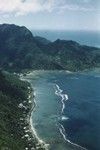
(82, 109)
(80, 94)
(91, 38)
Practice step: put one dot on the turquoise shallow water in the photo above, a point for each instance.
(68, 107)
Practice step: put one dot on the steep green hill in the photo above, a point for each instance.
(19, 49)
(13, 93)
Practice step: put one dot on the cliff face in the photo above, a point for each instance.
(19, 49)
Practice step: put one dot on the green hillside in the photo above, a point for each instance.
(19, 50)
(13, 92)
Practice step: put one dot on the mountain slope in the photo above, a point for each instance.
(12, 93)
(19, 49)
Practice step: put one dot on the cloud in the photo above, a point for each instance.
(23, 7)
(75, 8)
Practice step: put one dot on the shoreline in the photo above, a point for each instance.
(39, 141)
(40, 144)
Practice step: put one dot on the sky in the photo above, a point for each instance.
(52, 14)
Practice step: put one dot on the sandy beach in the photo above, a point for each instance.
(40, 144)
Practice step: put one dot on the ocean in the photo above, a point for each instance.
(67, 113)
(90, 38)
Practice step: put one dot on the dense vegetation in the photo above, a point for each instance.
(19, 50)
(12, 117)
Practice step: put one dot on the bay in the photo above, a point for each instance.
(67, 112)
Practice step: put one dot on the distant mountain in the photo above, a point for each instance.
(42, 40)
(19, 49)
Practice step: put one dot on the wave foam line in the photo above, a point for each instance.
(62, 131)
(30, 120)
(33, 130)
(64, 97)
(37, 137)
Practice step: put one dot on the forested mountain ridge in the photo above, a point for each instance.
(19, 50)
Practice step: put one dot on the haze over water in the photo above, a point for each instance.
(90, 38)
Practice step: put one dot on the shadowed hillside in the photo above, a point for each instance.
(19, 49)
(13, 93)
